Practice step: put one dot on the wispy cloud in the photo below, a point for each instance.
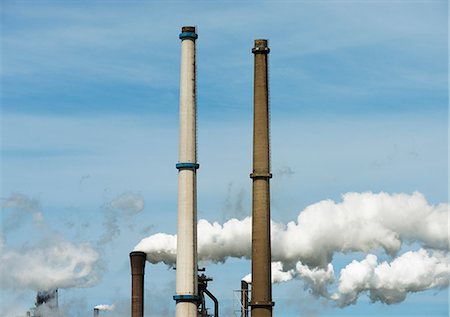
(46, 260)
(341, 48)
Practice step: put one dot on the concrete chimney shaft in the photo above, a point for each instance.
(137, 261)
(186, 269)
(261, 302)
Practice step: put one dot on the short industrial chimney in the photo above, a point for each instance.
(261, 302)
(186, 269)
(137, 260)
(96, 312)
(244, 299)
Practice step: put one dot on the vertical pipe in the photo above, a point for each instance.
(261, 303)
(186, 273)
(244, 299)
(56, 299)
(137, 261)
(96, 312)
(216, 302)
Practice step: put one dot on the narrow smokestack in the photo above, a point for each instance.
(186, 282)
(261, 303)
(137, 260)
(244, 299)
(96, 312)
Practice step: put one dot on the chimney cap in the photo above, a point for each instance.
(138, 253)
(188, 29)
(188, 32)
(137, 261)
(261, 46)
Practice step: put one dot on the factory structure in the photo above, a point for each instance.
(46, 301)
(191, 288)
(192, 294)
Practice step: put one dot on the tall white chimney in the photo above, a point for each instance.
(186, 270)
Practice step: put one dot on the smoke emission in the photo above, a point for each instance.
(61, 265)
(21, 207)
(49, 263)
(361, 222)
(128, 203)
(121, 209)
(105, 307)
(390, 282)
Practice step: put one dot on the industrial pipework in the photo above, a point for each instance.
(244, 299)
(202, 290)
(186, 296)
(261, 302)
(137, 261)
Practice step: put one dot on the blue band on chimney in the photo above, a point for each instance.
(188, 35)
(186, 298)
(192, 166)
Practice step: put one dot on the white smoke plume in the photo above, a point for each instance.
(215, 244)
(414, 271)
(21, 208)
(304, 249)
(119, 210)
(129, 203)
(317, 280)
(105, 307)
(61, 265)
(361, 222)
(278, 275)
(48, 310)
(48, 263)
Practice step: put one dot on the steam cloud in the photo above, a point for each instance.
(390, 282)
(105, 307)
(48, 264)
(63, 265)
(304, 249)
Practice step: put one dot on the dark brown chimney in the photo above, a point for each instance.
(261, 303)
(137, 260)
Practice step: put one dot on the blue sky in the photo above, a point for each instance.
(89, 111)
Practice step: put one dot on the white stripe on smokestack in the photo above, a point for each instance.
(186, 270)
